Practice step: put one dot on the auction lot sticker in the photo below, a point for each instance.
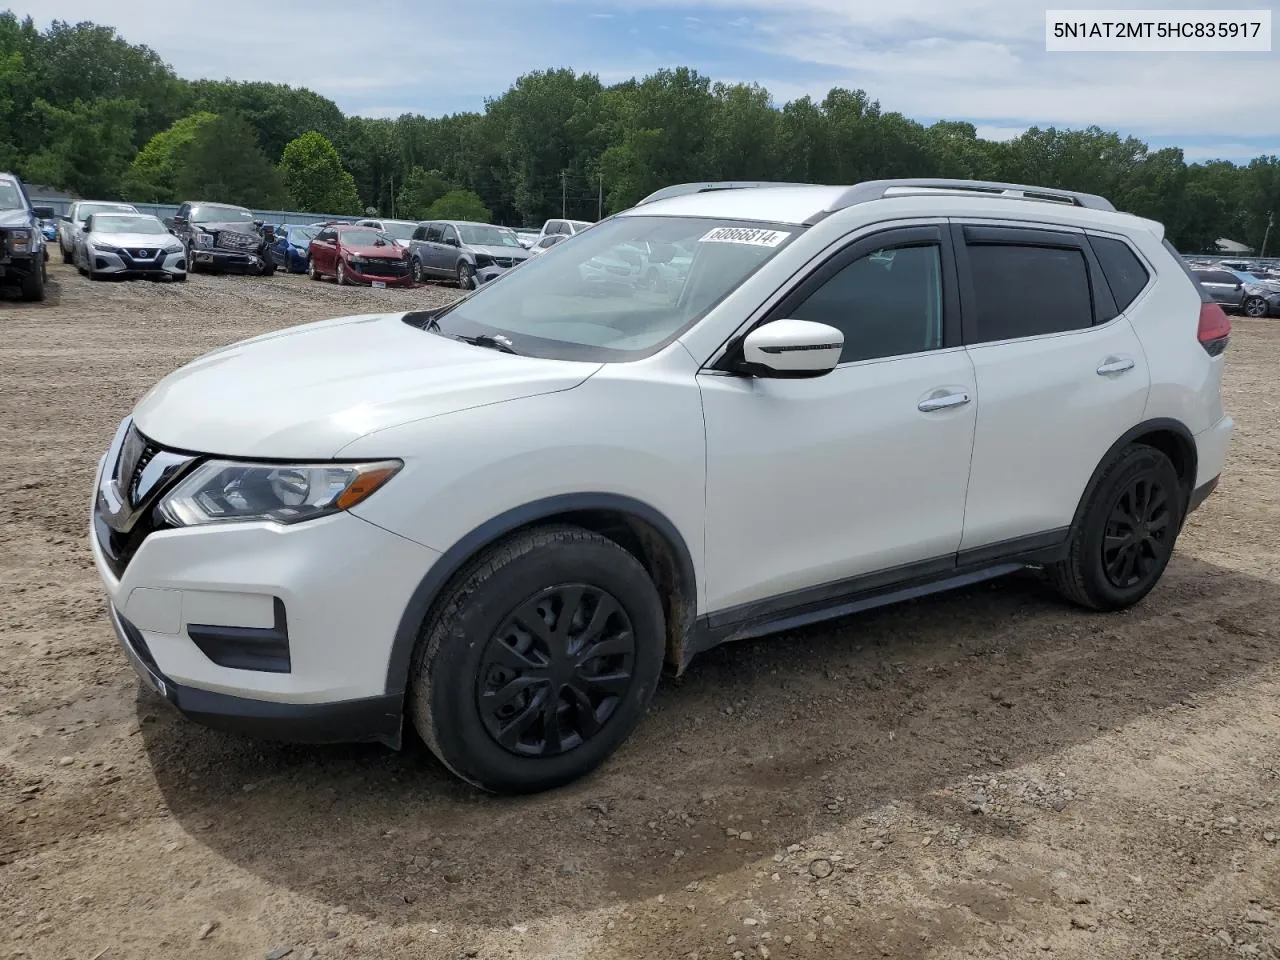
(751, 235)
(1157, 31)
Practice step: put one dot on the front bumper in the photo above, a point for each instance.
(357, 275)
(191, 602)
(171, 263)
(370, 720)
(226, 259)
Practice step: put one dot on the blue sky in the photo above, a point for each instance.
(977, 60)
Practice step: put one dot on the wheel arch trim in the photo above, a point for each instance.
(1157, 425)
(491, 531)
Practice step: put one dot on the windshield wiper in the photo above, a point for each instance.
(488, 340)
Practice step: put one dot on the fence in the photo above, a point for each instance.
(165, 210)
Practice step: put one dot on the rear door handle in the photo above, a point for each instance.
(942, 401)
(1114, 365)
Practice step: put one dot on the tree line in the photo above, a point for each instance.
(84, 110)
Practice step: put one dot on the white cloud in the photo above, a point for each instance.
(1228, 151)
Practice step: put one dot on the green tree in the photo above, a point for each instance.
(459, 205)
(153, 175)
(223, 162)
(314, 176)
(88, 145)
(421, 189)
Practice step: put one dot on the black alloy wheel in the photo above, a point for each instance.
(1256, 307)
(556, 670)
(1138, 533)
(1124, 534)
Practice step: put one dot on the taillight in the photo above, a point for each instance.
(1215, 328)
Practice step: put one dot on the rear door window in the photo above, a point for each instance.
(1028, 291)
(434, 233)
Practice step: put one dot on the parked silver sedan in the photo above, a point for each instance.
(129, 245)
(71, 227)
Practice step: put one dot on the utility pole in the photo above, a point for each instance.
(600, 201)
(563, 195)
(1271, 222)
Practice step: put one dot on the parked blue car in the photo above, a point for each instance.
(289, 249)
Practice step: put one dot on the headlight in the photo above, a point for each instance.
(104, 248)
(204, 240)
(222, 491)
(355, 260)
(20, 240)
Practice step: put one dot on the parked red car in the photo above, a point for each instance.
(363, 255)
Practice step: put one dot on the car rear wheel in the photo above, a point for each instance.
(1126, 533)
(538, 661)
(466, 276)
(1255, 307)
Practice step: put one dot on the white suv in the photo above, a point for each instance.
(503, 516)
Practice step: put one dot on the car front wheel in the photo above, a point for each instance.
(466, 276)
(539, 661)
(1126, 533)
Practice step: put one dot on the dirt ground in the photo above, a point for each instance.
(983, 774)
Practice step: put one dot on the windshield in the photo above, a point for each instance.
(364, 237)
(619, 291)
(579, 224)
(400, 231)
(301, 236)
(217, 214)
(10, 197)
(85, 210)
(104, 223)
(483, 235)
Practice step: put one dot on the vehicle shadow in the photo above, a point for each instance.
(805, 732)
(11, 296)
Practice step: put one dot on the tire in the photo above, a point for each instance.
(1255, 307)
(66, 257)
(33, 284)
(313, 269)
(342, 274)
(191, 263)
(461, 658)
(415, 268)
(268, 269)
(466, 276)
(1094, 573)
(181, 278)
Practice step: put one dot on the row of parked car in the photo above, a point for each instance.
(107, 238)
(1251, 287)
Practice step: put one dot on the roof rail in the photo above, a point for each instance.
(684, 189)
(879, 189)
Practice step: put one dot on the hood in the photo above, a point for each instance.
(498, 250)
(307, 391)
(15, 218)
(391, 251)
(235, 226)
(150, 241)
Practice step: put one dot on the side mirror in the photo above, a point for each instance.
(85, 228)
(792, 349)
(43, 212)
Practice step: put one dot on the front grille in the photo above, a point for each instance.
(118, 547)
(142, 258)
(384, 268)
(237, 241)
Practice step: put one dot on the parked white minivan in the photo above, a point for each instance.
(502, 517)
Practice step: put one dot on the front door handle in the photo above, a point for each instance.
(1113, 365)
(942, 401)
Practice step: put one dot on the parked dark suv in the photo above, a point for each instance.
(221, 237)
(23, 256)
